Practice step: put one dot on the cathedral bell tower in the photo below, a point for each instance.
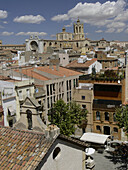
(78, 31)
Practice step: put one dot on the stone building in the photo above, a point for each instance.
(85, 65)
(84, 96)
(107, 62)
(108, 95)
(64, 36)
(52, 83)
(24, 149)
(78, 31)
(64, 40)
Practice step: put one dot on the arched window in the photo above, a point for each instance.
(97, 115)
(50, 44)
(106, 116)
(115, 130)
(80, 29)
(29, 117)
(56, 152)
(114, 117)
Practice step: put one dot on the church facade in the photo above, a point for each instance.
(64, 40)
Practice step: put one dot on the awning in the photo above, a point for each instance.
(94, 138)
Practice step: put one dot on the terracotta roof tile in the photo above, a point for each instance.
(21, 149)
(75, 64)
(62, 72)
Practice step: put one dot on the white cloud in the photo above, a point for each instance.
(3, 14)
(60, 17)
(126, 30)
(94, 13)
(110, 30)
(122, 16)
(98, 31)
(5, 22)
(116, 25)
(53, 36)
(31, 33)
(70, 25)
(5, 33)
(119, 30)
(30, 19)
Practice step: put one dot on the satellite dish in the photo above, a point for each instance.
(89, 151)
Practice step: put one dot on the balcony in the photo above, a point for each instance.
(106, 104)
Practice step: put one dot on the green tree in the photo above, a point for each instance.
(66, 116)
(78, 115)
(122, 118)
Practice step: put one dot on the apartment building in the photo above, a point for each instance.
(108, 95)
(53, 82)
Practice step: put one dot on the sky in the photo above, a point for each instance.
(102, 19)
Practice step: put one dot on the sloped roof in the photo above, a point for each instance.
(86, 64)
(22, 149)
(33, 101)
(40, 73)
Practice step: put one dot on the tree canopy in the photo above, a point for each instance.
(66, 116)
(122, 118)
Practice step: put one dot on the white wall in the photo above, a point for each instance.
(69, 158)
(64, 59)
(98, 67)
(8, 98)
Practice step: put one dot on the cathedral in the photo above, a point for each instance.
(64, 40)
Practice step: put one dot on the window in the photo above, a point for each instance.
(0, 116)
(67, 85)
(114, 117)
(29, 117)
(106, 116)
(56, 152)
(50, 89)
(39, 102)
(115, 130)
(67, 97)
(48, 105)
(28, 92)
(97, 115)
(47, 90)
(98, 128)
(76, 82)
(70, 84)
(20, 94)
(83, 97)
(83, 106)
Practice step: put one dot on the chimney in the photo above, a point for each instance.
(52, 131)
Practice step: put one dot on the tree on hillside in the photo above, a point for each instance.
(122, 118)
(66, 116)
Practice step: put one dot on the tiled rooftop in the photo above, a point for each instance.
(75, 64)
(62, 72)
(21, 149)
